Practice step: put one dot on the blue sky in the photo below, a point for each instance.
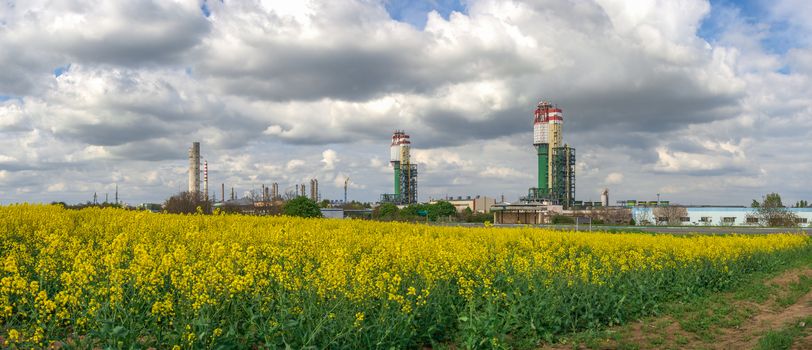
(414, 12)
(779, 35)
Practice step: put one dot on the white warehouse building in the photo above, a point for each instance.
(718, 216)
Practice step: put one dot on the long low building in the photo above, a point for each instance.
(524, 213)
(478, 204)
(715, 216)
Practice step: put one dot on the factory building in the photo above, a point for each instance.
(525, 213)
(405, 173)
(478, 204)
(556, 160)
(716, 216)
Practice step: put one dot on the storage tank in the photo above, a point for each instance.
(540, 129)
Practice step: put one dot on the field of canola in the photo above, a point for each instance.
(122, 279)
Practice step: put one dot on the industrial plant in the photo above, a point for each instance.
(552, 196)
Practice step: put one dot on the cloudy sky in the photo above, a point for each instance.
(703, 102)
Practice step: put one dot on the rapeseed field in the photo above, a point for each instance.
(124, 279)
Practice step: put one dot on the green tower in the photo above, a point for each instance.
(543, 151)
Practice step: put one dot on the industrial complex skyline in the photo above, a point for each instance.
(701, 102)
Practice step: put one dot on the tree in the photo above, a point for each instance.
(673, 214)
(385, 211)
(411, 211)
(302, 207)
(801, 204)
(186, 203)
(772, 200)
(771, 212)
(441, 209)
(755, 204)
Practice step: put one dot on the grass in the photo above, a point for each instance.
(795, 291)
(784, 338)
(705, 316)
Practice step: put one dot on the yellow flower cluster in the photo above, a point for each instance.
(61, 269)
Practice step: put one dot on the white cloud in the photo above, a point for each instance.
(294, 164)
(57, 187)
(276, 90)
(330, 158)
(614, 179)
(504, 173)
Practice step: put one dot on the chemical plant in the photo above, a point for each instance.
(552, 196)
(266, 197)
(554, 191)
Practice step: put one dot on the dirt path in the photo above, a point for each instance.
(768, 318)
(741, 325)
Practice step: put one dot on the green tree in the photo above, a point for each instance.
(385, 211)
(412, 211)
(772, 200)
(441, 209)
(755, 204)
(302, 207)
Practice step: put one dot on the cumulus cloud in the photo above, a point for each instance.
(276, 90)
(329, 158)
(614, 178)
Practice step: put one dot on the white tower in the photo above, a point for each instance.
(194, 169)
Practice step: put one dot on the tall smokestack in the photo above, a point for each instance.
(314, 190)
(194, 169)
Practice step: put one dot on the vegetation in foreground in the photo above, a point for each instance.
(765, 310)
(114, 278)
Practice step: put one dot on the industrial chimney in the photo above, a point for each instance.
(194, 169)
(314, 190)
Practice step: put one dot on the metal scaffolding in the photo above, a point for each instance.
(563, 184)
(407, 186)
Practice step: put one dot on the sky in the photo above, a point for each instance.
(702, 102)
